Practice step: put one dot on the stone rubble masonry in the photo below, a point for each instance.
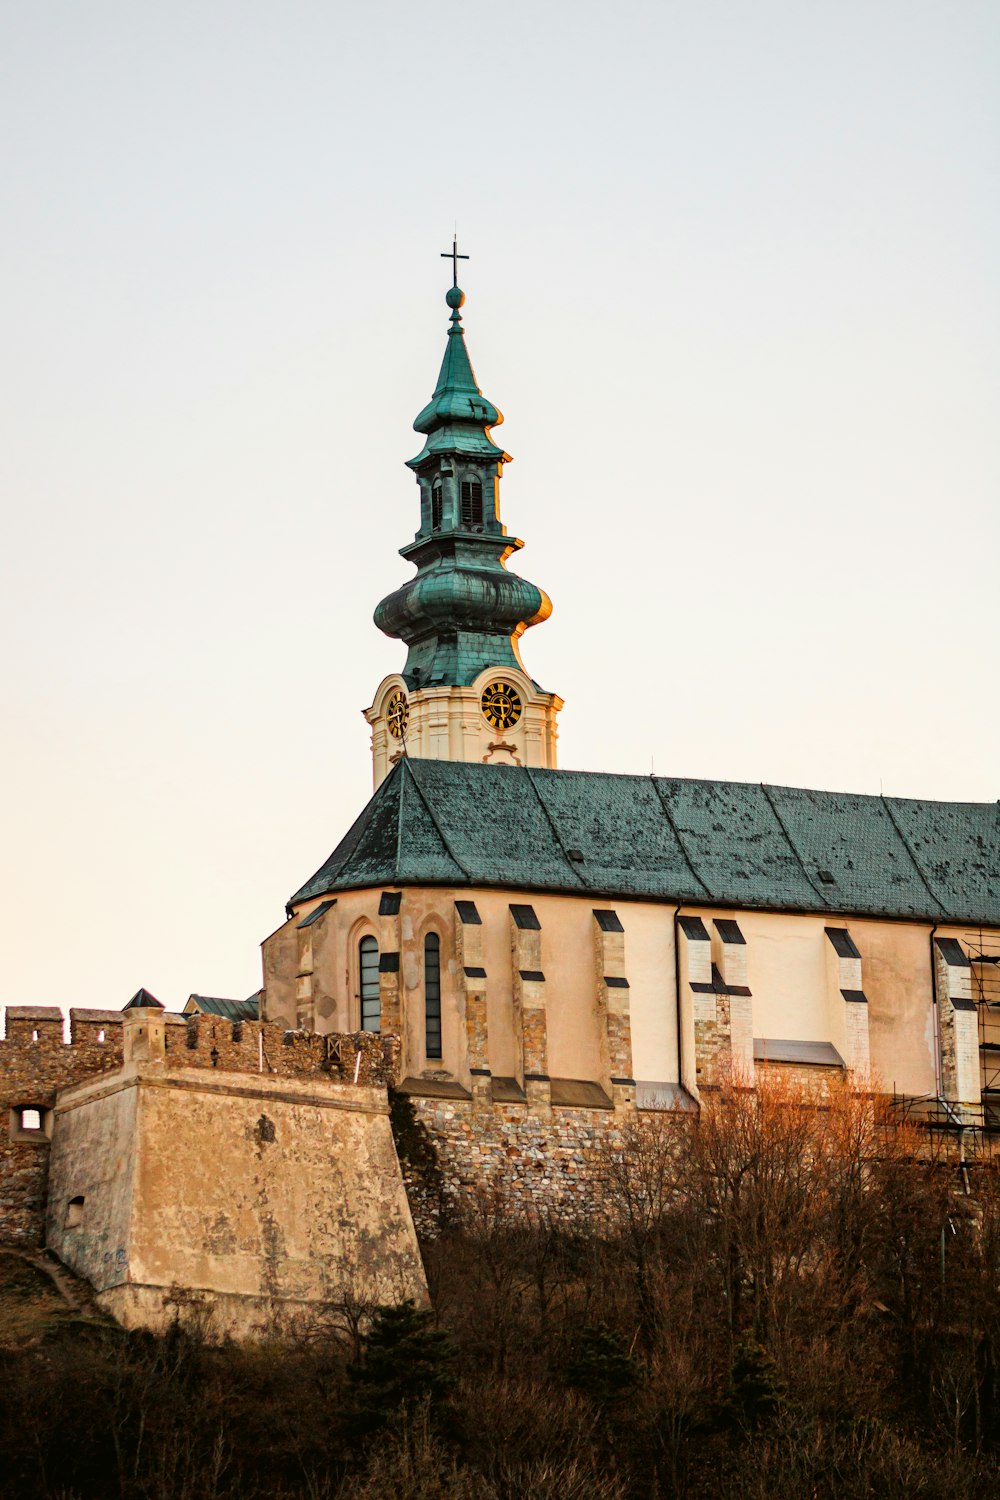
(471, 981)
(35, 1063)
(721, 1004)
(612, 989)
(958, 1023)
(550, 1165)
(530, 1019)
(389, 946)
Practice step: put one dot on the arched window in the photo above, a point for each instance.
(432, 994)
(437, 510)
(472, 502)
(371, 1005)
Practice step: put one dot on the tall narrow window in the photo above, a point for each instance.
(437, 509)
(472, 502)
(432, 994)
(371, 1007)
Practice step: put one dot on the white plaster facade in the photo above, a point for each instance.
(448, 723)
(878, 1011)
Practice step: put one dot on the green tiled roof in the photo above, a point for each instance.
(714, 842)
(230, 1010)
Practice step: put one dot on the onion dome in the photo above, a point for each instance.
(463, 612)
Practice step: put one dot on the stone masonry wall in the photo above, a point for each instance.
(35, 1063)
(450, 1151)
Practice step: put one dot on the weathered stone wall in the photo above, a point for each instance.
(252, 1199)
(35, 1063)
(549, 1164)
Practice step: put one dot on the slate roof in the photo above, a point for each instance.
(657, 838)
(230, 1010)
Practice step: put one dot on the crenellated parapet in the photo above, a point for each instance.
(37, 1062)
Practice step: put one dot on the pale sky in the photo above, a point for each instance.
(733, 281)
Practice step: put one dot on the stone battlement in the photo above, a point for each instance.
(36, 1063)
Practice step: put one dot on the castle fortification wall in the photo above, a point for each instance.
(250, 1201)
(36, 1063)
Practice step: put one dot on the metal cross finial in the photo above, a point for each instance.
(454, 257)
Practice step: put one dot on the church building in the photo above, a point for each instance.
(501, 969)
(558, 946)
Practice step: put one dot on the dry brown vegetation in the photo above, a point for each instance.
(785, 1301)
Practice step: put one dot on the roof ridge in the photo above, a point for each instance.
(399, 819)
(677, 835)
(791, 842)
(558, 836)
(913, 858)
(437, 826)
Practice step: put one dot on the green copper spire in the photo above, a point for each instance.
(458, 416)
(463, 612)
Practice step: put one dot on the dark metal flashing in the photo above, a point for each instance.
(317, 912)
(855, 997)
(532, 976)
(507, 1091)
(608, 921)
(694, 929)
(579, 1093)
(388, 963)
(473, 971)
(953, 953)
(467, 914)
(524, 917)
(614, 983)
(718, 986)
(844, 944)
(432, 1088)
(729, 930)
(390, 903)
(811, 1054)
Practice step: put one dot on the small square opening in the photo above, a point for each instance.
(30, 1122)
(74, 1212)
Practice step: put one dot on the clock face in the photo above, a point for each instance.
(501, 705)
(397, 712)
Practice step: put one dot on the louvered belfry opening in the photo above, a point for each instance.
(437, 509)
(472, 502)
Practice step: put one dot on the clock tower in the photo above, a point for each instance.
(463, 693)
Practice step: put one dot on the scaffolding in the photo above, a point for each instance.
(983, 949)
(973, 1128)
